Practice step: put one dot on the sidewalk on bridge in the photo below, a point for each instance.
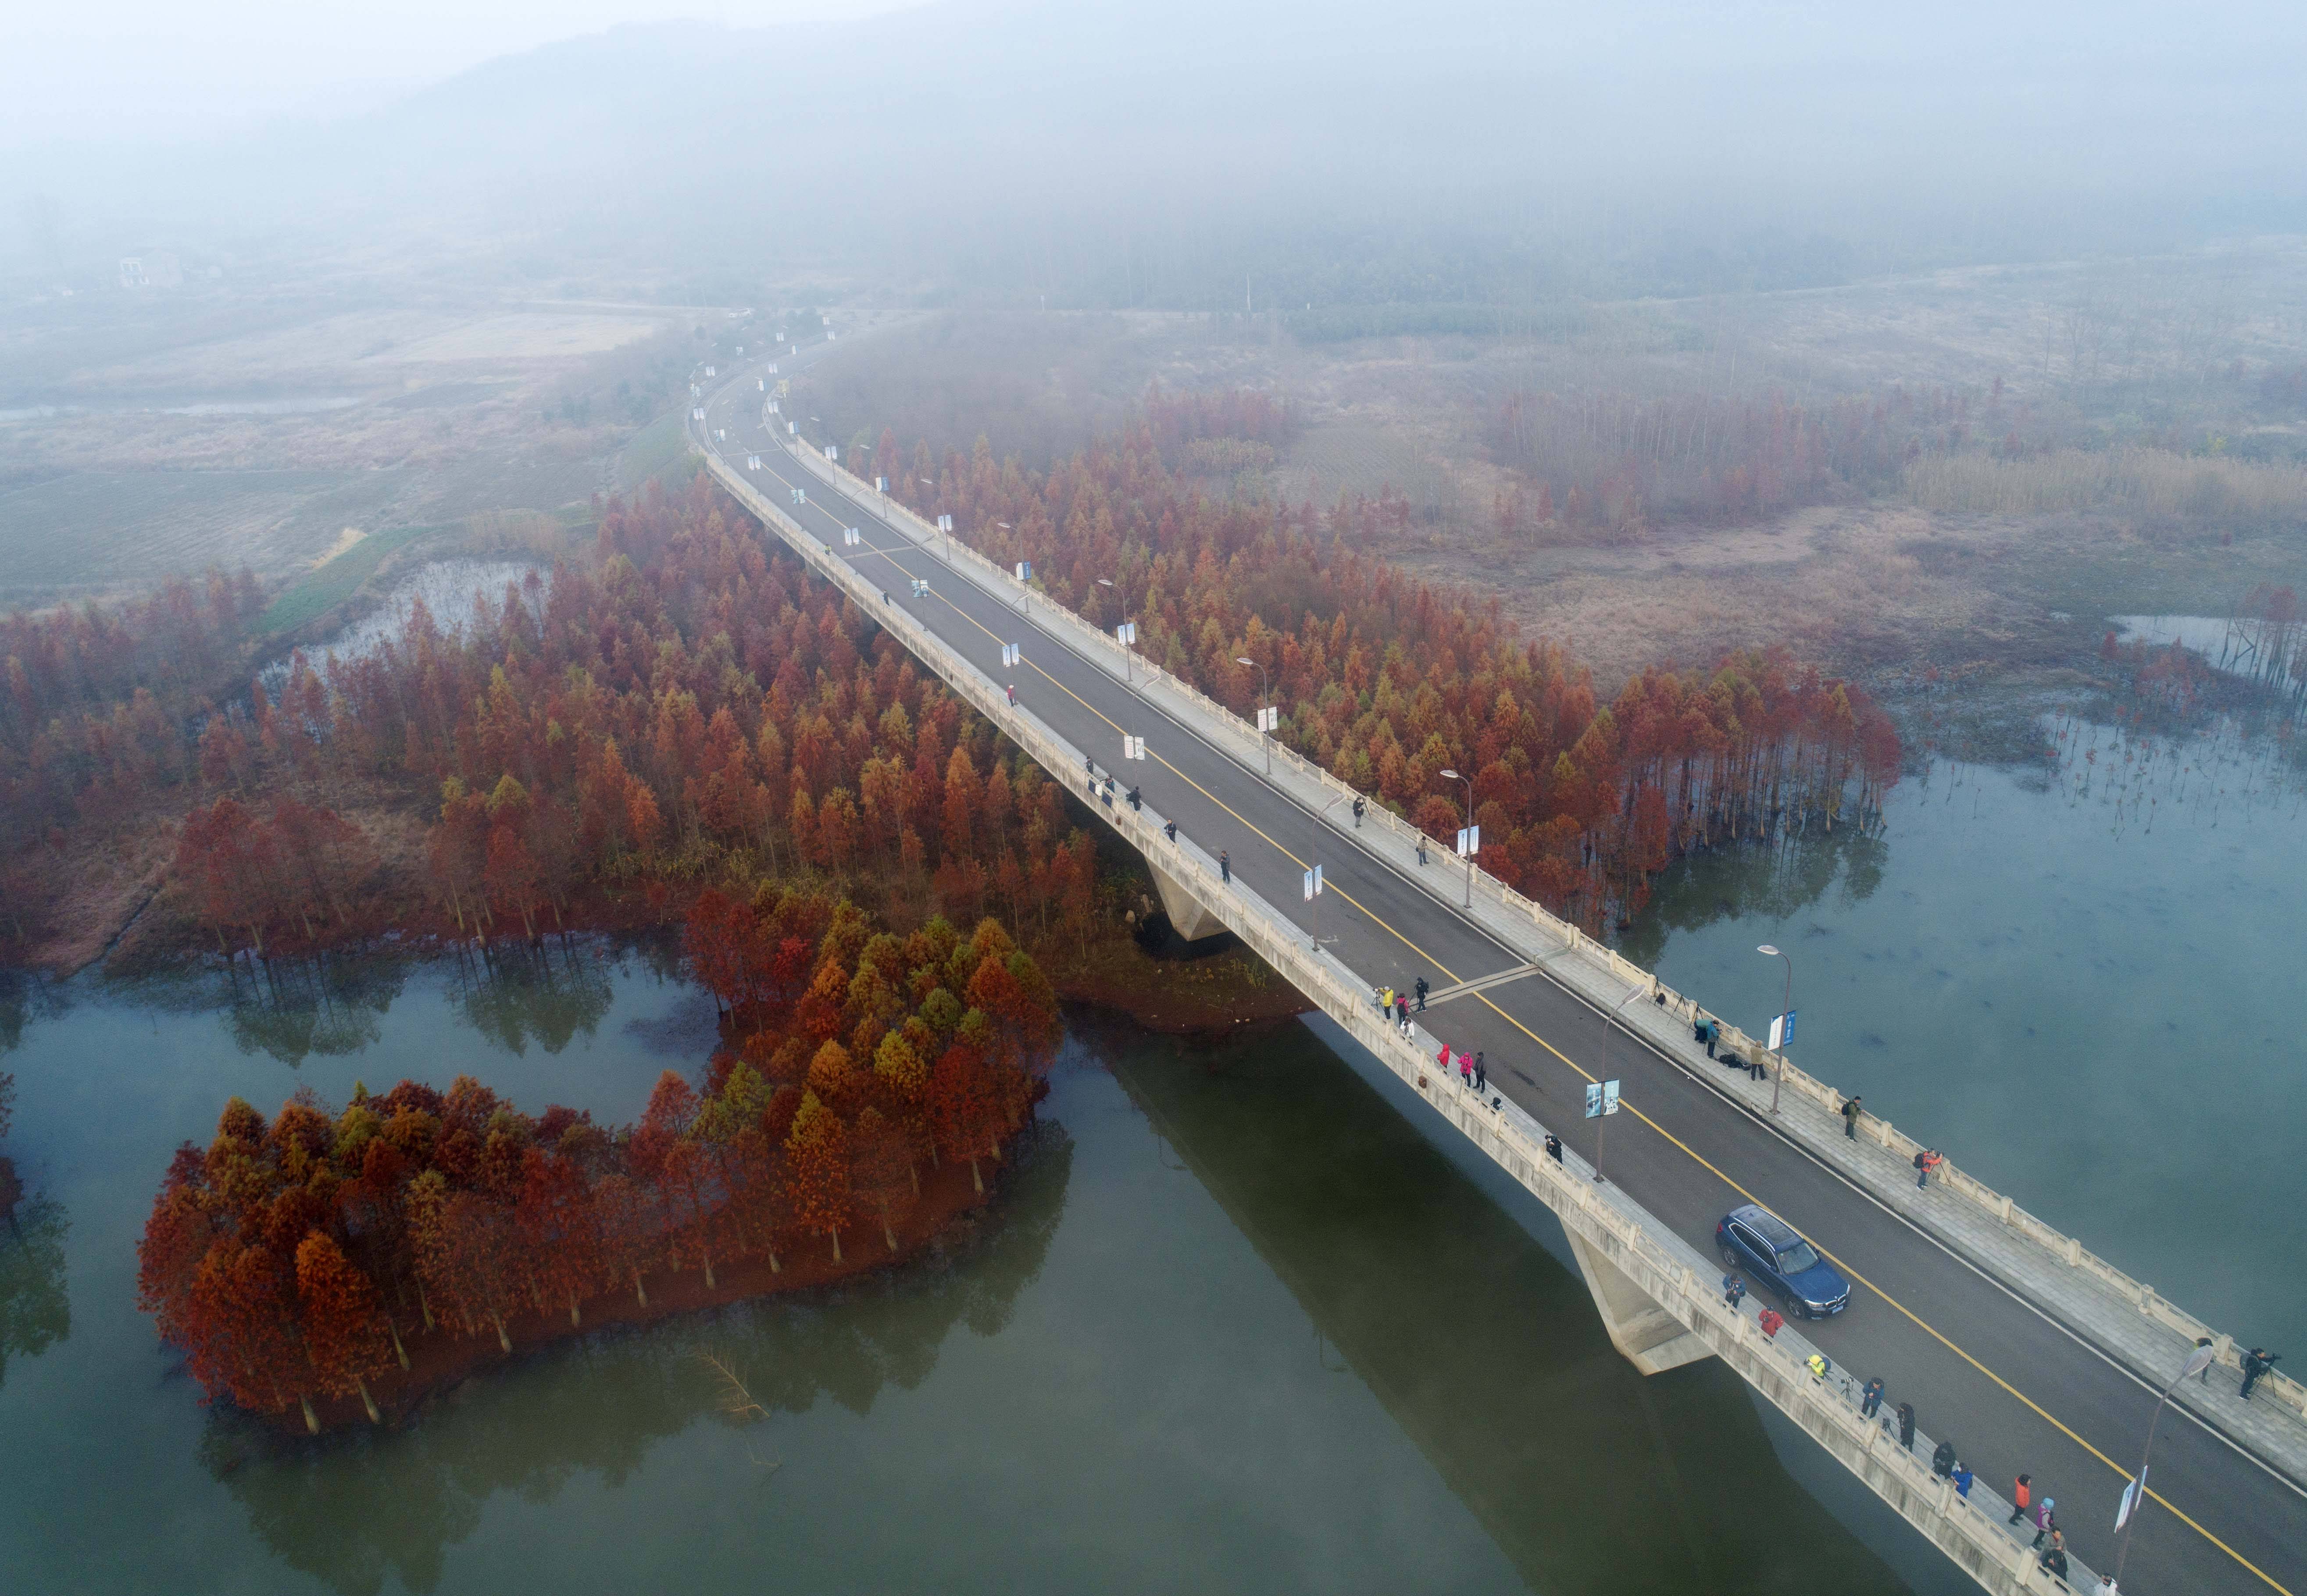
(2073, 1297)
(1984, 1500)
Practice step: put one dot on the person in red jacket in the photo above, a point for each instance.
(1772, 1324)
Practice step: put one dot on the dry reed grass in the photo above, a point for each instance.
(2143, 482)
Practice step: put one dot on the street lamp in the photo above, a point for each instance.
(1126, 618)
(2197, 1361)
(1266, 700)
(1631, 993)
(1469, 780)
(1786, 1006)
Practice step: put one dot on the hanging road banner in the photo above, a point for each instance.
(1011, 653)
(1025, 570)
(1470, 841)
(1126, 631)
(1610, 1097)
(1269, 719)
(1783, 1028)
(1593, 1099)
(1313, 884)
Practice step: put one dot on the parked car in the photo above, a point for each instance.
(1770, 1251)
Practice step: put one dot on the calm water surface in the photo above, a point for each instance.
(2081, 983)
(1236, 1324)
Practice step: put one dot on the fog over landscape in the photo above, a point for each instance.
(581, 1006)
(1118, 155)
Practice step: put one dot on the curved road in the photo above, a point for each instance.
(2012, 1389)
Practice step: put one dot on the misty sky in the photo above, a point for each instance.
(142, 69)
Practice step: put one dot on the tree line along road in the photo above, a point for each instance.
(2015, 1390)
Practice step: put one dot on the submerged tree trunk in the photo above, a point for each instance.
(837, 1244)
(639, 1290)
(774, 1270)
(914, 1170)
(367, 1401)
(573, 1319)
(891, 1234)
(709, 1285)
(424, 1307)
(311, 1419)
(398, 1350)
(503, 1340)
(975, 1179)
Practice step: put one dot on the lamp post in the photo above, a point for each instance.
(2197, 1361)
(1265, 701)
(1612, 1021)
(1126, 619)
(1786, 1006)
(1469, 780)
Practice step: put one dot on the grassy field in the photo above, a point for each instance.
(324, 586)
(660, 444)
(101, 531)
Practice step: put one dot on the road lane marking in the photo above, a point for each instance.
(1920, 1323)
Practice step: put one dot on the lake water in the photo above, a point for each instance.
(1242, 1320)
(2079, 981)
(1236, 1324)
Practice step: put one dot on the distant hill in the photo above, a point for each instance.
(1144, 154)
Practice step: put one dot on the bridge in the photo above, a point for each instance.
(2028, 1351)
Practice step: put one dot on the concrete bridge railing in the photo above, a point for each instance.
(1543, 936)
(1656, 1293)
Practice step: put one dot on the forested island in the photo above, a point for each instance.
(376, 1252)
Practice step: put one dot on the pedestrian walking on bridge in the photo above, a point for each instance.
(1734, 1290)
(1770, 1322)
(1421, 994)
(1927, 1164)
(2257, 1364)
(1225, 865)
(2022, 1497)
(1465, 1070)
(1850, 1119)
(1481, 1075)
(1554, 1151)
(1872, 1398)
(1402, 1012)
(1907, 1425)
(1942, 1461)
(1359, 807)
(2046, 1523)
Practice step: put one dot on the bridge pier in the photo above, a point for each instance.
(1187, 917)
(1649, 1337)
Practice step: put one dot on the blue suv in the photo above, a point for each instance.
(1768, 1249)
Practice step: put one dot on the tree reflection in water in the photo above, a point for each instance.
(353, 1511)
(329, 1006)
(1769, 880)
(35, 1311)
(547, 993)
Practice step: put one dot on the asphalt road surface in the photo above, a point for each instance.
(2014, 1390)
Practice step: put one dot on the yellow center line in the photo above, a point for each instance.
(1924, 1325)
